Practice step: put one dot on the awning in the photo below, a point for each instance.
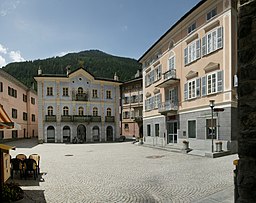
(5, 121)
(5, 148)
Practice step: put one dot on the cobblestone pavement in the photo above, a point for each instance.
(123, 172)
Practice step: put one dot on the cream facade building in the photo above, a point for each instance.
(19, 102)
(194, 62)
(77, 105)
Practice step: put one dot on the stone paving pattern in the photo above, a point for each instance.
(123, 172)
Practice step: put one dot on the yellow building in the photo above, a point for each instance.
(192, 63)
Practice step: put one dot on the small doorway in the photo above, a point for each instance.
(81, 133)
(96, 134)
(50, 134)
(109, 133)
(66, 134)
(172, 132)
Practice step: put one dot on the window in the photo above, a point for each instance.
(126, 100)
(65, 111)
(108, 111)
(192, 129)
(172, 63)
(126, 114)
(192, 89)
(65, 91)
(12, 92)
(95, 111)
(173, 95)
(50, 111)
(25, 98)
(1, 134)
(15, 134)
(49, 91)
(1, 87)
(191, 28)
(33, 100)
(150, 78)
(14, 113)
(148, 130)
(192, 52)
(158, 73)
(80, 111)
(108, 92)
(25, 116)
(212, 41)
(95, 93)
(157, 130)
(157, 100)
(80, 90)
(33, 117)
(212, 83)
(126, 126)
(211, 14)
(211, 129)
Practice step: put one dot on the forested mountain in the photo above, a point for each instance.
(98, 63)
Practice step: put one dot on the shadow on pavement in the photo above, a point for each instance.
(23, 143)
(33, 196)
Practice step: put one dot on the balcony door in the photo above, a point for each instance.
(173, 95)
(172, 132)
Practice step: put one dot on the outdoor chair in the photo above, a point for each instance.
(21, 157)
(36, 157)
(16, 165)
(30, 166)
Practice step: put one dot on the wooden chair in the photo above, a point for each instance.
(36, 157)
(21, 156)
(16, 165)
(30, 166)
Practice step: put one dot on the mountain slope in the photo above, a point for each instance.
(98, 63)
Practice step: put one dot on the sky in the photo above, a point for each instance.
(39, 29)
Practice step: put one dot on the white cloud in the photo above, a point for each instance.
(2, 61)
(8, 5)
(16, 56)
(3, 50)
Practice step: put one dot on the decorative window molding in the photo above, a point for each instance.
(148, 94)
(212, 26)
(192, 38)
(191, 74)
(211, 67)
(156, 91)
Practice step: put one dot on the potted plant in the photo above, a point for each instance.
(12, 192)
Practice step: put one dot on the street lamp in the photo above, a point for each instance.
(212, 106)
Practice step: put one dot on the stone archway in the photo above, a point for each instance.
(109, 133)
(66, 134)
(96, 134)
(81, 133)
(50, 134)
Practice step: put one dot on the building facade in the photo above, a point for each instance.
(20, 104)
(131, 107)
(77, 105)
(194, 62)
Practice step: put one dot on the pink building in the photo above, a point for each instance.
(20, 104)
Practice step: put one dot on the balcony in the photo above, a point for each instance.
(96, 119)
(84, 118)
(66, 118)
(109, 118)
(51, 118)
(170, 78)
(168, 107)
(138, 119)
(80, 96)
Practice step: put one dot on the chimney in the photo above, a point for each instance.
(68, 69)
(39, 71)
(116, 77)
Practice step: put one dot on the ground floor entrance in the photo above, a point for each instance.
(172, 136)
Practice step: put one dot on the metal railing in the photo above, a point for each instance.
(168, 106)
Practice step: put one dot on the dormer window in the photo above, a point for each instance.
(192, 27)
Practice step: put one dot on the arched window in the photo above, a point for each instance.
(95, 111)
(80, 111)
(65, 111)
(50, 110)
(108, 111)
(80, 90)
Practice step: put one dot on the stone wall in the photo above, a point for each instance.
(247, 100)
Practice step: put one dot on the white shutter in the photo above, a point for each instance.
(198, 49)
(204, 86)
(186, 55)
(186, 91)
(204, 48)
(198, 85)
(220, 37)
(220, 81)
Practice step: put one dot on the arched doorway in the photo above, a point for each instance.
(96, 134)
(109, 133)
(66, 134)
(81, 133)
(50, 134)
